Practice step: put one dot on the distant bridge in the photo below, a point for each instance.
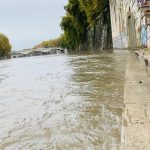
(37, 52)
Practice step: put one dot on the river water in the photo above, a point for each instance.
(62, 102)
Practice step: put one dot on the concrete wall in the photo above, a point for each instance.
(129, 21)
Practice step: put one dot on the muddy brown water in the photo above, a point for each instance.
(62, 102)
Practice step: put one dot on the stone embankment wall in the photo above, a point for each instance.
(130, 21)
(99, 37)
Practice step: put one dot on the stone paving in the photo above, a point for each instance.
(136, 116)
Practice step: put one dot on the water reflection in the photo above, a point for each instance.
(62, 102)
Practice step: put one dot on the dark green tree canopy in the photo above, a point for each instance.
(94, 9)
(81, 15)
(5, 47)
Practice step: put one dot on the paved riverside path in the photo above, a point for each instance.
(136, 116)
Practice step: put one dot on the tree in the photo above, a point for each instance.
(94, 9)
(50, 43)
(5, 47)
(81, 15)
(74, 24)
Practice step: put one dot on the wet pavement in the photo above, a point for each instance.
(60, 102)
(136, 115)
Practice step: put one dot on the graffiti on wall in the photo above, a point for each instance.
(120, 41)
(144, 36)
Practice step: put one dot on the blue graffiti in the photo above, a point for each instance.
(144, 36)
(120, 40)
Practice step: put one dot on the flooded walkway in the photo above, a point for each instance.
(62, 102)
(136, 116)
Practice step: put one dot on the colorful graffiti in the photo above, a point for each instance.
(144, 35)
(120, 40)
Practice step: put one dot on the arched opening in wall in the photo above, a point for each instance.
(131, 31)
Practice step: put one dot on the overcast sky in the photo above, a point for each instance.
(28, 22)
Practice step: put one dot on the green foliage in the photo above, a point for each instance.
(81, 15)
(71, 33)
(59, 42)
(74, 24)
(94, 9)
(5, 47)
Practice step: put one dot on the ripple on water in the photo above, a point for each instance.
(62, 102)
